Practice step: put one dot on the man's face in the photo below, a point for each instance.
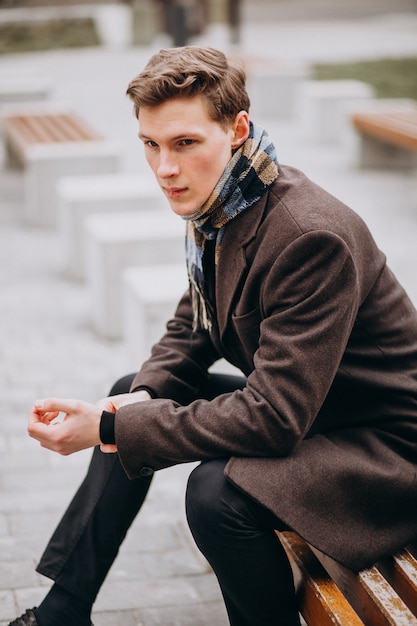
(186, 150)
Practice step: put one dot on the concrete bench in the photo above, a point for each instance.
(47, 144)
(150, 295)
(324, 106)
(16, 88)
(273, 87)
(115, 241)
(80, 196)
(332, 595)
(388, 139)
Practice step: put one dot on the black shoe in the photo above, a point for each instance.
(27, 619)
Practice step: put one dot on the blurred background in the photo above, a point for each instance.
(81, 297)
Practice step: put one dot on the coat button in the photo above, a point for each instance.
(146, 471)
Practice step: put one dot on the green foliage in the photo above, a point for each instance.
(391, 78)
(60, 33)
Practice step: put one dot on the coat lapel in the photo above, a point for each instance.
(232, 259)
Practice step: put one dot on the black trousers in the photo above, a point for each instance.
(233, 532)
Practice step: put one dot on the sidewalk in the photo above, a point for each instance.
(48, 348)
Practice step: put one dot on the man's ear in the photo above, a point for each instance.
(240, 129)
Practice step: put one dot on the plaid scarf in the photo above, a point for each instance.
(249, 173)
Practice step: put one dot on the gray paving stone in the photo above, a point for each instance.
(205, 614)
(4, 525)
(16, 574)
(7, 605)
(20, 547)
(146, 565)
(47, 346)
(131, 594)
(111, 618)
(27, 597)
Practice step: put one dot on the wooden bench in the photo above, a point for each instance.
(24, 130)
(388, 139)
(48, 143)
(332, 595)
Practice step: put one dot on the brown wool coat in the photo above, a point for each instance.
(325, 432)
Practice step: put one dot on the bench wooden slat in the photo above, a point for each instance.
(24, 130)
(70, 128)
(412, 549)
(397, 128)
(29, 130)
(391, 606)
(321, 602)
(370, 594)
(49, 129)
(333, 595)
(401, 573)
(17, 135)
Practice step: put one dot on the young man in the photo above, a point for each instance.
(288, 285)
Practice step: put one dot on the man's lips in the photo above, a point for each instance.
(174, 192)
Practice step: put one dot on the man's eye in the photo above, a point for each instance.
(151, 144)
(187, 142)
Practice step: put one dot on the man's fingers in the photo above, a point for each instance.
(53, 410)
(54, 405)
(65, 426)
(41, 432)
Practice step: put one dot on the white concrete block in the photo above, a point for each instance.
(114, 241)
(80, 196)
(23, 87)
(323, 107)
(367, 152)
(273, 88)
(46, 163)
(150, 295)
(381, 155)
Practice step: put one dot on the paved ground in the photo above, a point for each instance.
(48, 348)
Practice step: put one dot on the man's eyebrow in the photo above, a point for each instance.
(182, 135)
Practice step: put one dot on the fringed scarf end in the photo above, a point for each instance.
(201, 318)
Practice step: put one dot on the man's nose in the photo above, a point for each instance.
(168, 165)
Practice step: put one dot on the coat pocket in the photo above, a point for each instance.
(246, 330)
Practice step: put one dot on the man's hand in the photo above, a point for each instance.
(65, 426)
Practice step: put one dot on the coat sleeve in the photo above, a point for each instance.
(307, 307)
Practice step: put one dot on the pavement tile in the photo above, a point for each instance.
(47, 346)
(16, 574)
(7, 606)
(160, 591)
(20, 547)
(148, 565)
(204, 614)
(110, 618)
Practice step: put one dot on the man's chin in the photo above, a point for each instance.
(182, 210)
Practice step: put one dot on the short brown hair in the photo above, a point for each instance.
(190, 71)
